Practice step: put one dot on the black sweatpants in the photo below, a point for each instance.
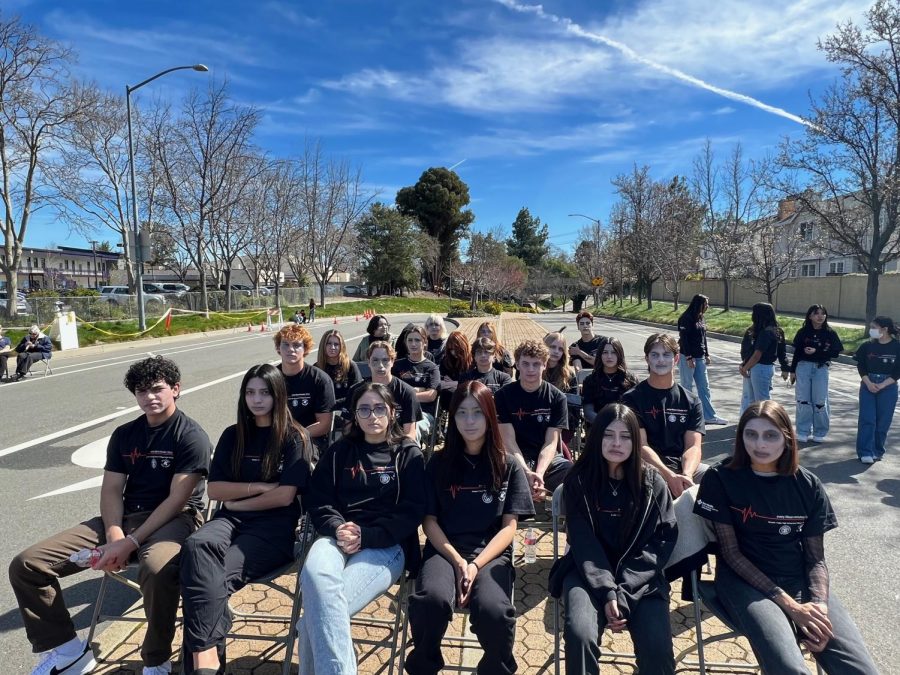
(585, 619)
(217, 560)
(491, 612)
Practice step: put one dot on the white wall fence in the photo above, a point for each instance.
(843, 296)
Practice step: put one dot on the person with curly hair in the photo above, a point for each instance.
(151, 500)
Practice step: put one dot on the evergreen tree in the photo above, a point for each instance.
(529, 240)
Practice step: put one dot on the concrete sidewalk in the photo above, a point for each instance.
(119, 644)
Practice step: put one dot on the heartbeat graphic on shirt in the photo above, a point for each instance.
(456, 489)
(135, 455)
(654, 411)
(520, 414)
(747, 513)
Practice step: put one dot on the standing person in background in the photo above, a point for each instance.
(609, 381)
(261, 466)
(815, 344)
(695, 355)
(312, 310)
(503, 360)
(5, 351)
(484, 353)
(34, 346)
(583, 353)
(762, 345)
(878, 363)
(437, 337)
(310, 392)
(475, 497)
(377, 330)
(334, 360)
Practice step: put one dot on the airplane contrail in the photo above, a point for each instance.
(575, 29)
(457, 164)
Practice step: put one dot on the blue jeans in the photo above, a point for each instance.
(876, 411)
(772, 635)
(758, 387)
(811, 394)
(336, 586)
(423, 428)
(697, 374)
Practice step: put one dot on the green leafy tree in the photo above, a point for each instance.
(437, 202)
(529, 239)
(387, 248)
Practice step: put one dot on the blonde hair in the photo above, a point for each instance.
(561, 374)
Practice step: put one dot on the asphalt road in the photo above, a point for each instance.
(53, 433)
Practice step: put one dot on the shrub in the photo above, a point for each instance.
(466, 314)
(491, 307)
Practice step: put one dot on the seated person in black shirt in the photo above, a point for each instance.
(310, 391)
(150, 501)
(532, 412)
(422, 375)
(770, 517)
(672, 427)
(484, 353)
(475, 497)
(583, 354)
(381, 361)
(335, 362)
(609, 381)
(437, 337)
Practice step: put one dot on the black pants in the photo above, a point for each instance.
(585, 618)
(491, 612)
(217, 560)
(555, 473)
(24, 361)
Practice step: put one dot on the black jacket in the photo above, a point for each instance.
(825, 341)
(42, 345)
(385, 518)
(692, 336)
(640, 572)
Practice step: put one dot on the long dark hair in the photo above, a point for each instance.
(373, 325)
(395, 433)
(451, 457)
(283, 424)
(888, 324)
(457, 355)
(763, 316)
(592, 470)
(694, 309)
(620, 357)
(775, 413)
(807, 322)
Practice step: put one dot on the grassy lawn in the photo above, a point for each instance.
(732, 322)
(105, 332)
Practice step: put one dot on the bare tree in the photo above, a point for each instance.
(483, 255)
(676, 216)
(775, 248)
(640, 242)
(589, 257)
(37, 103)
(850, 154)
(274, 231)
(332, 199)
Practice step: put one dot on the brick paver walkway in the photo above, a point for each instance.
(534, 650)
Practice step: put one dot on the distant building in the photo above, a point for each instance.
(65, 267)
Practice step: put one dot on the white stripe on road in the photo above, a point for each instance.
(88, 484)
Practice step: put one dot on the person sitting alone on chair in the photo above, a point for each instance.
(34, 346)
(150, 501)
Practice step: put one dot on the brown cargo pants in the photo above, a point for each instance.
(34, 575)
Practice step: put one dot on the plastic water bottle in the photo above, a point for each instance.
(86, 557)
(530, 546)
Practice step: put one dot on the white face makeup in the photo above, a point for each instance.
(764, 443)
(531, 370)
(416, 345)
(380, 364)
(660, 360)
(557, 349)
(433, 330)
(586, 327)
(483, 359)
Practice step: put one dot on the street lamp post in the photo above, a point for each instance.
(135, 229)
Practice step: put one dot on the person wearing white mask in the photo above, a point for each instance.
(878, 363)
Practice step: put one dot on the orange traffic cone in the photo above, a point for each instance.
(262, 327)
(357, 317)
(249, 328)
(335, 321)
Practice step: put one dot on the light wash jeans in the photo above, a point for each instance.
(811, 393)
(336, 586)
(876, 411)
(697, 374)
(423, 429)
(758, 387)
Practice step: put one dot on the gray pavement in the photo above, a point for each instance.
(53, 431)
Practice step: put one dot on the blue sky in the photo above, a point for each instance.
(535, 111)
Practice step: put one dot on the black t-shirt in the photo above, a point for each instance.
(600, 389)
(292, 470)
(150, 456)
(492, 379)
(612, 505)
(342, 389)
(419, 374)
(589, 347)
(408, 410)
(771, 515)
(309, 392)
(665, 414)
(471, 513)
(531, 414)
(874, 358)
(770, 342)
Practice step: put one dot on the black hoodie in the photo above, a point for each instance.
(380, 487)
(640, 571)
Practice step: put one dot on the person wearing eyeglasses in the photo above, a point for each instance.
(310, 391)
(366, 500)
(672, 424)
(381, 359)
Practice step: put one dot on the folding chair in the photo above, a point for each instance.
(393, 624)
(134, 614)
(558, 512)
(432, 437)
(574, 404)
(364, 370)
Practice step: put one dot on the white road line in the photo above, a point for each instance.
(88, 484)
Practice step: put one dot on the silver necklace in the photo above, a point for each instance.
(614, 486)
(471, 463)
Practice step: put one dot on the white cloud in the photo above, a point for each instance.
(506, 142)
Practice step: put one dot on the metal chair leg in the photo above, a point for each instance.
(98, 606)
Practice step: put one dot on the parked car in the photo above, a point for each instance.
(172, 290)
(351, 289)
(243, 289)
(22, 306)
(119, 295)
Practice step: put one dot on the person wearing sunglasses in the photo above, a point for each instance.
(366, 500)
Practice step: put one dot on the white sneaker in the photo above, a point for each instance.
(804, 438)
(716, 420)
(161, 669)
(868, 459)
(81, 665)
(818, 439)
